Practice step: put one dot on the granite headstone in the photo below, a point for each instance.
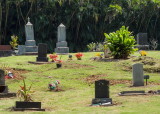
(102, 92)
(138, 78)
(42, 53)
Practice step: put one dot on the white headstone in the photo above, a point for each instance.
(61, 45)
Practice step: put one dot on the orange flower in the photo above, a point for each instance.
(58, 61)
(53, 56)
(78, 55)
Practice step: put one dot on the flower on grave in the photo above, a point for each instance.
(79, 55)
(143, 53)
(58, 61)
(53, 57)
(54, 85)
(99, 55)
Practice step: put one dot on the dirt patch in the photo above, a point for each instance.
(16, 72)
(91, 79)
(75, 65)
(150, 64)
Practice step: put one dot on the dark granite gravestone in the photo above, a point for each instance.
(42, 53)
(3, 87)
(102, 93)
(142, 41)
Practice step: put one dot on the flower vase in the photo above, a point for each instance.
(59, 65)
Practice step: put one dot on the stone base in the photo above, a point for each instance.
(38, 63)
(138, 84)
(7, 95)
(31, 53)
(102, 101)
(6, 53)
(22, 106)
(42, 59)
(30, 43)
(62, 50)
(129, 93)
(31, 49)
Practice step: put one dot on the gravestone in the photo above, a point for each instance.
(5, 50)
(102, 93)
(3, 87)
(61, 45)
(31, 48)
(21, 49)
(138, 78)
(142, 41)
(42, 53)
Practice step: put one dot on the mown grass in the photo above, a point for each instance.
(78, 93)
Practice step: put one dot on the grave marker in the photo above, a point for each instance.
(42, 53)
(138, 78)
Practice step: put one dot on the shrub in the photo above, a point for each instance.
(121, 43)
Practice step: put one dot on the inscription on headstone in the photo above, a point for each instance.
(138, 78)
(42, 52)
(102, 89)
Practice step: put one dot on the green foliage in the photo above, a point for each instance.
(85, 20)
(24, 93)
(91, 46)
(121, 43)
(14, 42)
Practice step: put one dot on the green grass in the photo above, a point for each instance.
(78, 94)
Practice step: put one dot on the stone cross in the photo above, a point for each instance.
(42, 52)
(138, 77)
(2, 78)
(102, 89)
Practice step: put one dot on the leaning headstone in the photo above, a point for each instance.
(42, 53)
(61, 45)
(102, 93)
(142, 41)
(3, 87)
(138, 78)
(31, 48)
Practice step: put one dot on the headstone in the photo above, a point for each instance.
(3, 88)
(102, 92)
(31, 48)
(138, 78)
(5, 50)
(61, 45)
(142, 41)
(2, 78)
(42, 53)
(21, 49)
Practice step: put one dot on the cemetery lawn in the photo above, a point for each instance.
(77, 82)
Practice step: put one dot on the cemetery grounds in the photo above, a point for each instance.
(77, 79)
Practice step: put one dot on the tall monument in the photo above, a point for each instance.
(61, 45)
(30, 44)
